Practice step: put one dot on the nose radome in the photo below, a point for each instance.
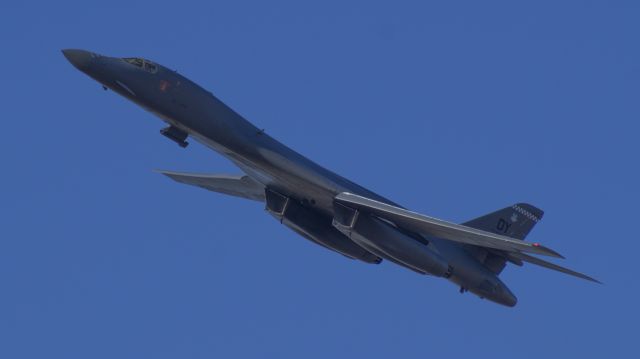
(81, 59)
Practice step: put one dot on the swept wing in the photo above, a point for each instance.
(233, 185)
(438, 228)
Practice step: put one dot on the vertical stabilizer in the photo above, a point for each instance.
(515, 221)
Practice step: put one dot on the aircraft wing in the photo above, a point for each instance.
(442, 229)
(542, 263)
(233, 185)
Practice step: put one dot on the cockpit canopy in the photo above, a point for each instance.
(142, 63)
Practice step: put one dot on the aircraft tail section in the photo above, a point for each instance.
(515, 221)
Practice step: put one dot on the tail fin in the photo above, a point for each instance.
(515, 221)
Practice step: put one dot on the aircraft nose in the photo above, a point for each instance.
(81, 59)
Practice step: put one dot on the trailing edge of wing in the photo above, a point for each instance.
(542, 263)
(442, 229)
(233, 185)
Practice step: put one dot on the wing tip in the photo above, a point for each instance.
(547, 251)
(586, 277)
(164, 172)
(176, 176)
(593, 280)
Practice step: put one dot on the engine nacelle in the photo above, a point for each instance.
(314, 226)
(388, 241)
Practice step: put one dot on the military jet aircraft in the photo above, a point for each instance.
(316, 203)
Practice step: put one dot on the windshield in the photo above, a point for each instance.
(142, 63)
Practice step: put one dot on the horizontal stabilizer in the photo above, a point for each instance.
(442, 229)
(542, 263)
(515, 221)
(233, 185)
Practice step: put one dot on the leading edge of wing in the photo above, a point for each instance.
(442, 229)
(549, 265)
(233, 185)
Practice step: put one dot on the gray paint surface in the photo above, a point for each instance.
(316, 203)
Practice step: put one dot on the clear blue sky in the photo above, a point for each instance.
(451, 108)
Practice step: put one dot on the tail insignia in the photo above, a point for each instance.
(525, 213)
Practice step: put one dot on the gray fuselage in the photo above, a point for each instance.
(188, 107)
